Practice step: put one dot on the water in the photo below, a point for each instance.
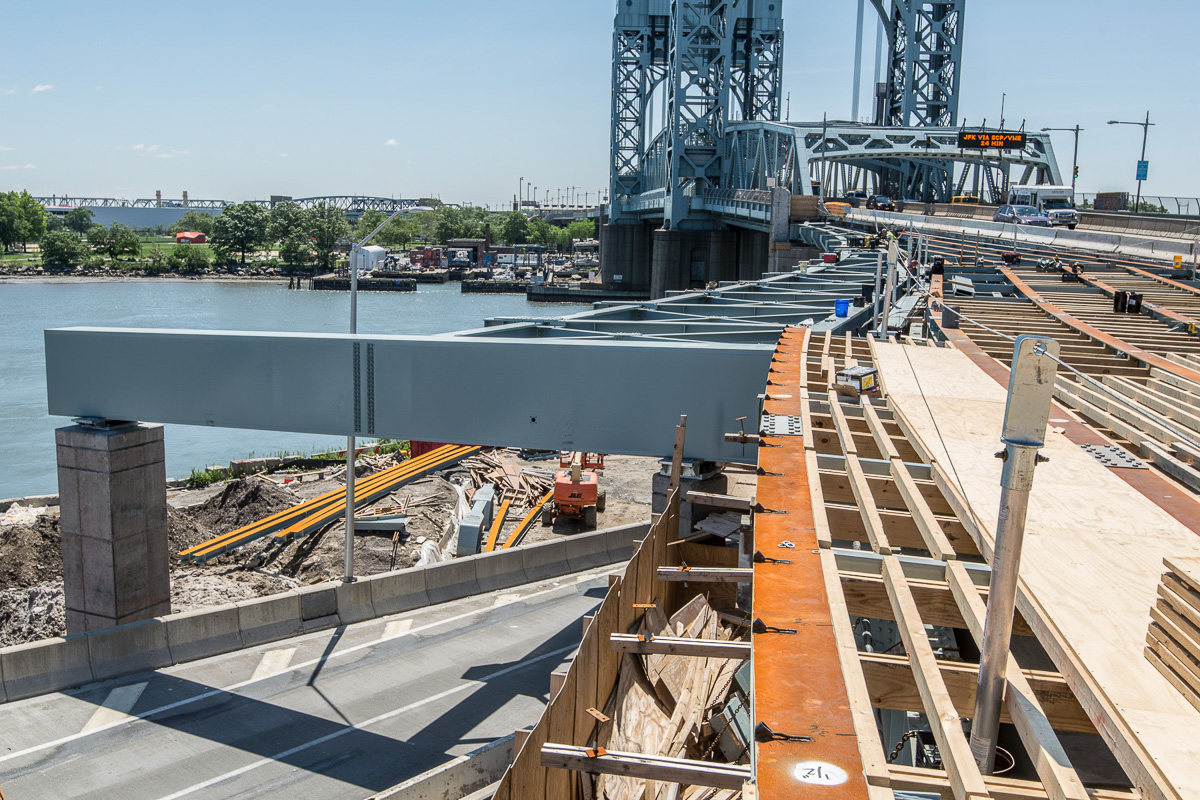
(27, 462)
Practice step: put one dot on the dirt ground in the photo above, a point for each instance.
(31, 587)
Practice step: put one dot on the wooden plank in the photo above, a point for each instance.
(870, 747)
(607, 662)
(916, 779)
(706, 574)
(677, 454)
(743, 504)
(964, 775)
(1080, 574)
(892, 684)
(562, 711)
(679, 646)
(872, 523)
(931, 532)
(866, 596)
(658, 768)
(1021, 700)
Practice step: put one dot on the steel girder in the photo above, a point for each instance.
(623, 372)
(757, 60)
(697, 101)
(925, 63)
(904, 160)
(639, 67)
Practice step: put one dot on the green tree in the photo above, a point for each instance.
(193, 220)
(541, 232)
(367, 223)
(12, 223)
(327, 224)
(286, 220)
(581, 229)
(61, 249)
(115, 241)
(515, 228)
(31, 217)
(397, 233)
(296, 250)
(79, 220)
(241, 228)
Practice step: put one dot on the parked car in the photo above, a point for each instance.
(881, 202)
(856, 199)
(1021, 215)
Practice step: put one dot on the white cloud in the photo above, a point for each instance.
(42, 87)
(283, 155)
(390, 143)
(173, 154)
(4, 149)
(13, 90)
(18, 166)
(142, 148)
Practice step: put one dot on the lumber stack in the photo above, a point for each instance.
(1173, 642)
(520, 486)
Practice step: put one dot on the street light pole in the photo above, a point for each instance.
(1145, 134)
(348, 553)
(520, 192)
(1074, 158)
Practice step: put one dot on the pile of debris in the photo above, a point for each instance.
(523, 486)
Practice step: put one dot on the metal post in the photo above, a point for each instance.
(858, 48)
(1075, 165)
(892, 255)
(348, 557)
(1030, 389)
(878, 289)
(1137, 204)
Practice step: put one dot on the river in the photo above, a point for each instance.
(27, 462)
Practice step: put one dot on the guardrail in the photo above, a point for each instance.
(50, 665)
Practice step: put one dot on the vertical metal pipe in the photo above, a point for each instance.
(858, 48)
(893, 254)
(1030, 388)
(348, 557)
(878, 290)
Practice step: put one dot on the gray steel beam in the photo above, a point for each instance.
(596, 395)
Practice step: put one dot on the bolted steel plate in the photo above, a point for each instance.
(1112, 456)
(780, 425)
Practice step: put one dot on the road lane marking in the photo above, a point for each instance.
(395, 628)
(471, 684)
(273, 662)
(116, 707)
(292, 668)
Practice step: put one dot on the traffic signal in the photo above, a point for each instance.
(1076, 170)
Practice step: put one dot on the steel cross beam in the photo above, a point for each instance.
(594, 395)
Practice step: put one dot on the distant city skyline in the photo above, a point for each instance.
(242, 101)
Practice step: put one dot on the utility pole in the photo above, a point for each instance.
(1074, 158)
(858, 48)
(1030, 390)
(1145, 132)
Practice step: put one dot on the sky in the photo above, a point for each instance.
(242, 100)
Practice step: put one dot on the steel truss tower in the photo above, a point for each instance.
(925, 46)
(720, 60)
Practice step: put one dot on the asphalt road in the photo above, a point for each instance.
(334, 714)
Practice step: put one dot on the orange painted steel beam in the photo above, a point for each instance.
(1159, 279)
(1158, 311)
(1149, 483)
(523, 526)
(494, 533)
(799, 688)
(1098, 335)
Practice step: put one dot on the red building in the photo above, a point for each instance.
(190, 237)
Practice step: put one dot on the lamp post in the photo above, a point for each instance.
(520, 192)
(1145, 133)
(348, 559)
(1074, 158)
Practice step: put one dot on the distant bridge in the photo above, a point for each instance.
(351, 204)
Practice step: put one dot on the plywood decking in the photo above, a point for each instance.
(1091, 565)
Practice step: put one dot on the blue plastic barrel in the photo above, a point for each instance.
(841, 308)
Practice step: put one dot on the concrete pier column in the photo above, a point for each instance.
(113, 494)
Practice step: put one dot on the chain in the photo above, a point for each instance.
(900, 745)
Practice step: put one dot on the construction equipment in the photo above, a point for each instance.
(577, 492)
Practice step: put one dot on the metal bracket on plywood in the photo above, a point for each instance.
(1110, 455)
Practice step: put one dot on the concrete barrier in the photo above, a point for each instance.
(545, 559)
(318, 605)
(458, 778)
(500, 569)
(46, 666)
(55, 664)
(450, 580)
(203, 632)
(354, 602)
(123, 649)
(394, 592)
(586, 552)
(619, 541)
(266, 619)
